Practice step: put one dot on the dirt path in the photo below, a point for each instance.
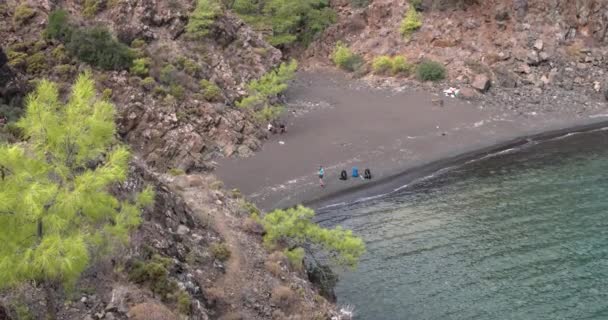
(227, 226)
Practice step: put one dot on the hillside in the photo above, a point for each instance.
(182, 104)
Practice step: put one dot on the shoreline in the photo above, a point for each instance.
(400, 133)
(389, 184)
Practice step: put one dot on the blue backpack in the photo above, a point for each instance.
(355, 172)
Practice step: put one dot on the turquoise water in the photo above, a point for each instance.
(519, 235)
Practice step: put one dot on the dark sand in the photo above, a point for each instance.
(340, 123)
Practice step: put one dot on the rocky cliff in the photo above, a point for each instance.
(197, 255)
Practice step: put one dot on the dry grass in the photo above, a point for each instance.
(274, 268)
(215, 296)
(283, 297)
(151, 311)
(574, 50)
(233, 315)
(252, 226)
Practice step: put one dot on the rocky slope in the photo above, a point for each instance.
(197, 255)
(536, 56)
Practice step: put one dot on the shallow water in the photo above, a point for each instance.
(520, 235)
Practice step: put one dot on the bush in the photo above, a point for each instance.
(203, 16)
(59, 54)
(269, 86)
(91, 7)
(410, 23)
(282, 296)
(149, 83)
(344, 58)
(295, 258)
(220, 251)
(430, 71)
(295, 228)
(416, 4)
(211, 91)
(138, 44)
(58, 26)
(359, 3)
(23, 14)
(155, 273)
(140, 67)
(36, 63)
(288, 21)
(97, 47)
(382, 64)
(184, 303)
(400, 65)
(16, 59)
(177, 91)
(188, 65)
(168, 74)
(176, 172)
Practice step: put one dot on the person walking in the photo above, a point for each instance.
(321, 175)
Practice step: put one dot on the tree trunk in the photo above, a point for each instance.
(49, 295)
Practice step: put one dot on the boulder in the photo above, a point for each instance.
(468, 94)
(502, 14)
(538, 45)
(543, 56)
(533, 59)
(521, 8)
(481, 82)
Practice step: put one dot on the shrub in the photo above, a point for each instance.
(359, 3)
(282, 296)
(184, 303)
(140, 67)
(295, 258)
(58, 26)
(106, 95)
(203, 16)
(211, 91)
(400, 65)
(168, 74)
(149, 83)
(289, 21)
(155, 273)
(23, 14)
(36, 63)
(176, 91)
(344, 58)
(188, 65)
(138, 43)
(382, 64)
(64, 70)
(410, 23)
(16, 59)
(262, 90)
(220, 251)
(294, 227)
(415, 4)
(97, 47)
(91, 7)
(430, 71)
(59, 54)
(176, 172)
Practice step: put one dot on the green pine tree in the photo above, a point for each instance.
(55, 204)
(293, 228)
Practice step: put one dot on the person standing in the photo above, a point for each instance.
(321, 175)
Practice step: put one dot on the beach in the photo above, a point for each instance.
(398, 133)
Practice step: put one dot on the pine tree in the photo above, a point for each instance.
(293, 228)
(55, 204)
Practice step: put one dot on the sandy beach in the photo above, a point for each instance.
(398, 133)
